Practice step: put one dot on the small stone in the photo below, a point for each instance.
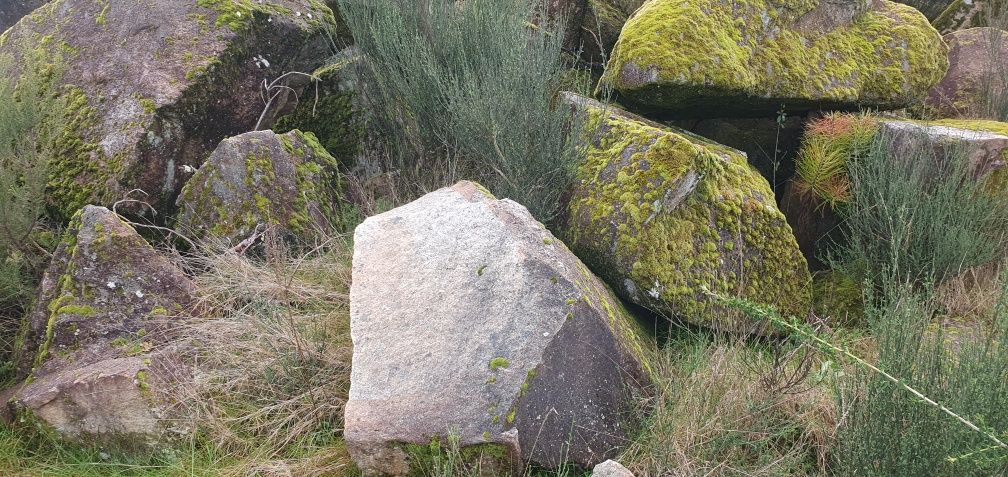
(611, 468)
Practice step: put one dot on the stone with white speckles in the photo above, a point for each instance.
(468, 316)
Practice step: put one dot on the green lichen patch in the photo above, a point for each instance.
(666, 217)
(760, 54)
(262, 179)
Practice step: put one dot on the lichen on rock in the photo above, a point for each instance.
(85, 356)
(151, 87)
(667, 217)
(761, 54)
(262, 179)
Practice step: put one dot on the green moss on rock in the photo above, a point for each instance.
(665, 217)
(263, 179)
(760, 54)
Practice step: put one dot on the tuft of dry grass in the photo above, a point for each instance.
(715, 413)
(266, 365)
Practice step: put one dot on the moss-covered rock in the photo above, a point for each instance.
(666, 217)
(152, 87)
(713, 58)
(976, 77)
(102, 311)
(262, 179)
(963, 14)
(330, 109)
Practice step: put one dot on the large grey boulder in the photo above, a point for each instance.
(469, 318)
(153, 86)
(977, 75)
(90, 352)
(712, 58)
(13, 10)
(287, 182)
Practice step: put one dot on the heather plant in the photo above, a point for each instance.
(467, 90)
(917, 214)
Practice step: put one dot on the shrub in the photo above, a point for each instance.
(995, 86)
(889, 431)
(467, 90)
(28, 113)
(917, 215)
(830, 143)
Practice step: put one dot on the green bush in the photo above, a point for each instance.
(467, 90)
(917, 215)
(890, 431)
(29, 114)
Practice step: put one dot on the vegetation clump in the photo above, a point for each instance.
(467, 91)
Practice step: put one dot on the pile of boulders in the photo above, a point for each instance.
(472, 323)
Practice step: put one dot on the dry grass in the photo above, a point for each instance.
(270, 359)
(715, 413)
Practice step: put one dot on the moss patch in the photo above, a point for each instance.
(757, 56)
(664, 216)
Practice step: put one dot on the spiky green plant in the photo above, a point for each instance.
(830, 143)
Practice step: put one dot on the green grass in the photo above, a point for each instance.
(27, 454)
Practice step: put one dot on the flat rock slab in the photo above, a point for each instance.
(713, 58)
(470, 319)
(984, 143)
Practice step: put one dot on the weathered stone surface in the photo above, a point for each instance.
(153, 86)
(663, 215)
(13, 10)
(104, 303)
(107, 400)
(759, 55)
(611, 468)
(469, 317)
(984, 145)
(977, 72)
(288, 182)
(963, 14)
